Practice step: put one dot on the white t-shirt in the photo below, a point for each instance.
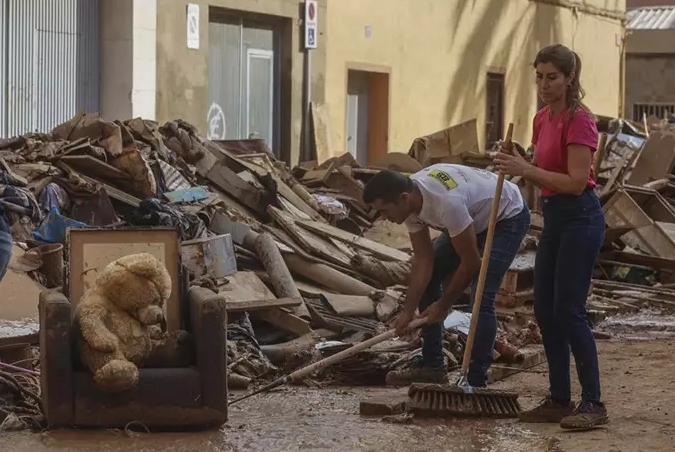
(454, 196)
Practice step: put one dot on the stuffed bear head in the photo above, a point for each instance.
(138, 284)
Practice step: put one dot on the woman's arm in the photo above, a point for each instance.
(530, 185)
(579, 161)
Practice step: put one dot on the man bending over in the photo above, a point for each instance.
(456, 200)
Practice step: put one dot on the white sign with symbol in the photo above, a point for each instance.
(192, 26)
(217, 125)
(311, 24)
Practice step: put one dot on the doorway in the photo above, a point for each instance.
(244, 80)
(367, 115)
(260, 94)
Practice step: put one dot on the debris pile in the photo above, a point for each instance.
(309, 279)
(306, 281)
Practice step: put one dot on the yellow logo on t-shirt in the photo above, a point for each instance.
(444, 178)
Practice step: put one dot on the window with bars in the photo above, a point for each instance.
(661, 111)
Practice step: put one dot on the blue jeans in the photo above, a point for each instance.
(574, 231)
(509, 234)
(5, 245)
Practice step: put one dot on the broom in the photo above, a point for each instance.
(303, 373)
(435, 400)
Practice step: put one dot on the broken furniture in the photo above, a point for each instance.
(70, 396)
(194, 396)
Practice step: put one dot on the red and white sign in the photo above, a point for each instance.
(311, 24)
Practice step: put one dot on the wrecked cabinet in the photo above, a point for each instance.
(649, 216)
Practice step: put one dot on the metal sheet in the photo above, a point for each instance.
(52, 55)
(651, 18)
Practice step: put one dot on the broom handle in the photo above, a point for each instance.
(487, 250)
(351, 351)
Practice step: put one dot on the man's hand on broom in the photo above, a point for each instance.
(402, 320)
(436, 313)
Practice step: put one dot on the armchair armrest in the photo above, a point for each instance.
(56, 363)
(208, 322)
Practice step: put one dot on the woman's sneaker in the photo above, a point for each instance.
(548, 410)
(585, 416)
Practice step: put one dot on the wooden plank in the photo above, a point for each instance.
(229, 182)
(284, 320)
(245, 287)
(95, 167)
(373, 247)
(282, 188)
(321, 131)
(259, 305)
(314, 245)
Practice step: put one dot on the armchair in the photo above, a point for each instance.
(175, 398)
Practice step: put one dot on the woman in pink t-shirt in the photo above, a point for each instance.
(565, 138)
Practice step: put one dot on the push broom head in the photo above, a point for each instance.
(433, 400)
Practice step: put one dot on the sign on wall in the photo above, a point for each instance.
(311, 24)
(192, 26)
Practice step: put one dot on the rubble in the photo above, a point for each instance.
(310, 276)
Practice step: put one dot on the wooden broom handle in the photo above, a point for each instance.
(487, 250)
(303, 373)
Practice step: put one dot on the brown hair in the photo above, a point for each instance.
(568, 62)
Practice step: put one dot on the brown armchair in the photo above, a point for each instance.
(187, 397)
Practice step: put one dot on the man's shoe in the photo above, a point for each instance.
(548, 410)
(437, 375)
(586, 416)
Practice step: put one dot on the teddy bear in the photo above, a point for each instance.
(119, 323)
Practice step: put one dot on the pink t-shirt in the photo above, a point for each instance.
(552, 135)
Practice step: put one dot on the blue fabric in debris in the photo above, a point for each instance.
(53, 228)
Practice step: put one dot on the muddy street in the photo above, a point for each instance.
(639, 389)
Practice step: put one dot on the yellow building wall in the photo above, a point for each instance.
(439, 53)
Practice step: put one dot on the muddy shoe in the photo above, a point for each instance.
(437, 375)
(547, 411)
(585, 416)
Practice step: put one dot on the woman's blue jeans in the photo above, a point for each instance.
(574, 231)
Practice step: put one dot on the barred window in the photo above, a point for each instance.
(661, 111)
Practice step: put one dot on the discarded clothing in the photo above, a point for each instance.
(152, 212)
(20, 200)
(53, 196)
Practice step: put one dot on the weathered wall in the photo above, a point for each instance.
(128, 58)
(182, 73)
(439, 53)
(639, 3)
(649, 79)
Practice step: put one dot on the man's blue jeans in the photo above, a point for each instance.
(574, 231)
(509, 234)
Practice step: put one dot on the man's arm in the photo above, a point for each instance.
(466, 248)
(422, 268)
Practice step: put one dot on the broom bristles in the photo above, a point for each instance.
(433, 400)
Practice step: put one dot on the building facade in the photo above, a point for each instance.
(650, 62)
(49, 62)
(386, 71)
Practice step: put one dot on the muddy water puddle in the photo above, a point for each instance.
(644, 325)
(300, 419)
